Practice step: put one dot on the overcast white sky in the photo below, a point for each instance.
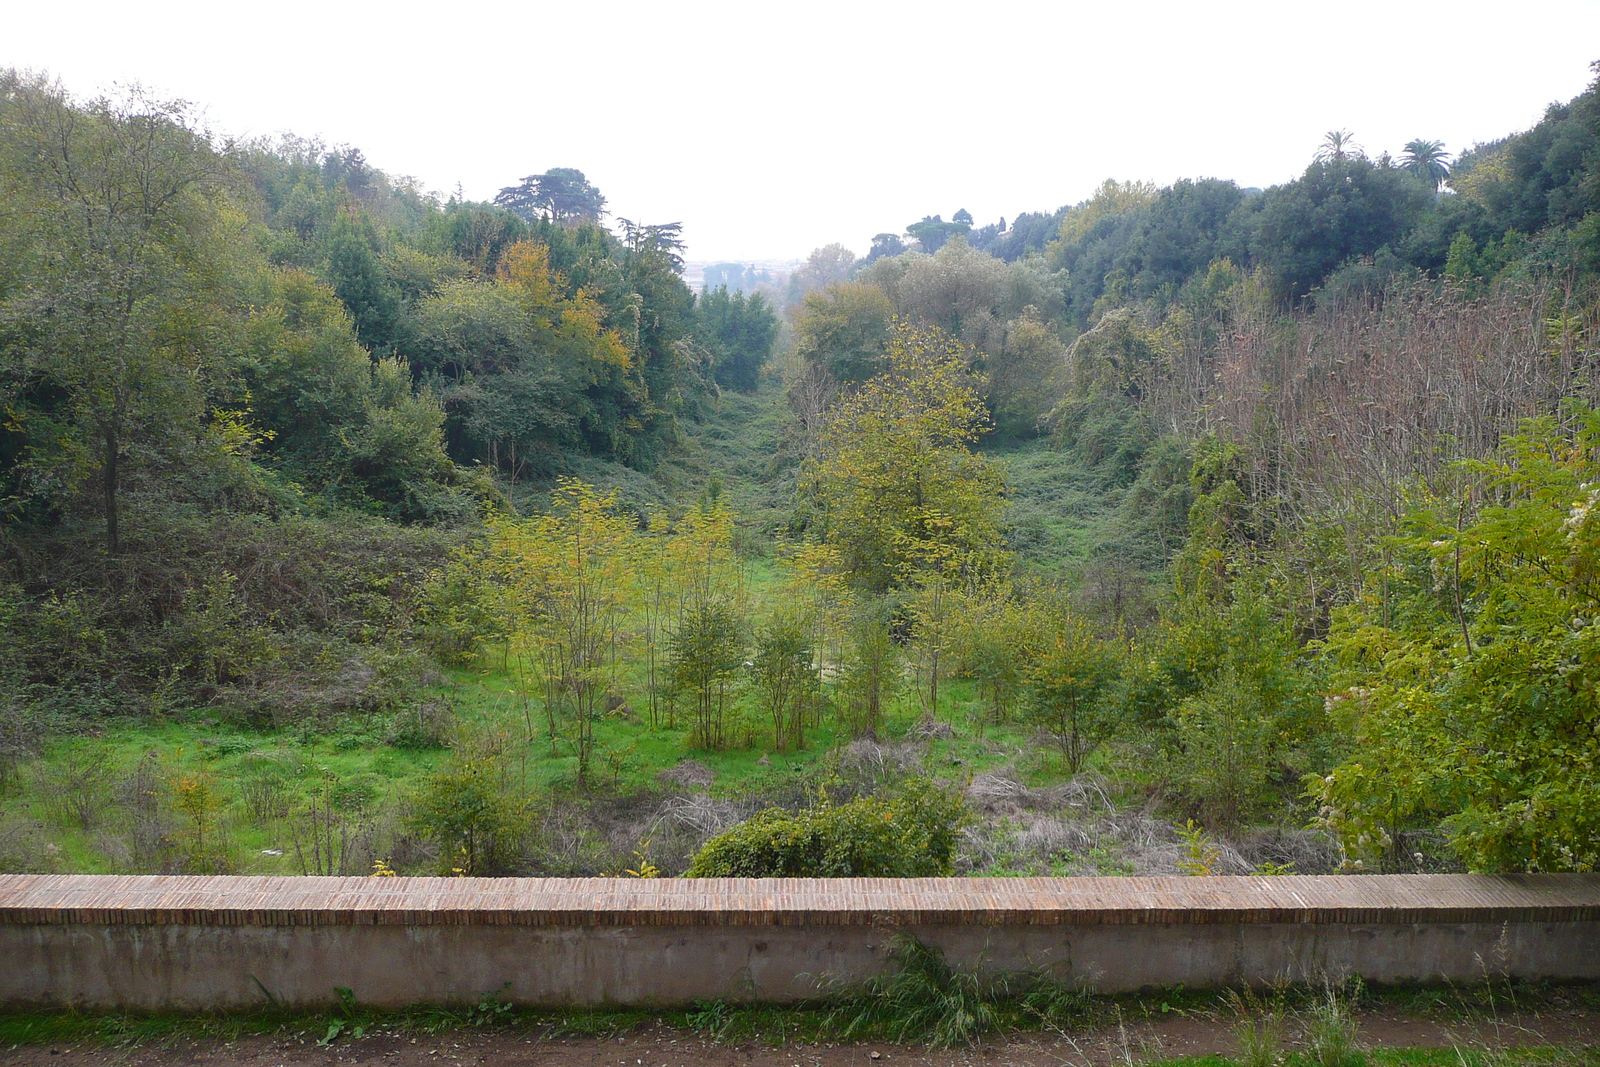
(771, 129)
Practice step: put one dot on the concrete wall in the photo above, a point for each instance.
(191, 943)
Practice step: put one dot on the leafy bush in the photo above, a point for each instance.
(425, 724)
(465, 809)
(1067, 682)
(1470, 695)
(909, 835)
(785, 679)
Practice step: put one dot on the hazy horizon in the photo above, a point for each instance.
(769, 134)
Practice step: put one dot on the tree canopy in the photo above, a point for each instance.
(559, 193)
(898, 487)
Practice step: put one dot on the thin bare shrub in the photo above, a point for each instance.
(266, 795)
(148, 830)
(1346, 405)
(327, 837)
(77, 788)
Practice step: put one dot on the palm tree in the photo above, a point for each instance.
(1427, 160)
(1337, 146)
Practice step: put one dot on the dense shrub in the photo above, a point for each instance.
(466, 809)
(909, 835)
(270, 620)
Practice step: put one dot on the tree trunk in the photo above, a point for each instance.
(112, 445)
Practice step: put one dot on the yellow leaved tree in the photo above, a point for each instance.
(568, 589)
(897, 488)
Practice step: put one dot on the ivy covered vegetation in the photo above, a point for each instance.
(345, 529)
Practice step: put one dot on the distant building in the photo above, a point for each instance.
(766, 275)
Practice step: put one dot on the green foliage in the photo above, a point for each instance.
(844, 330)
(465, 810)
(1008, 314)
(1331, 1037)
(785, 677)
(339, 421)
(898, 488)
(1201, 853)
(1028, 378)
(270, 621)
(997, 637)
(1069, 679)
(1219, 692)
(1259, 1028)
(231, 407)
(1427, 160)
(397, 454)
(214, 634)
(704, 655)
(1339, 209)
(1227, 733)
(357, 276)
(1543, 177)
(565, 592)
(528, 365)
(871, 670)
(1469, 689)
(195, 798)
(909, 835)
(739, 331)
(122, 259)
(167, 388)
(1132, 241)
(933, 232)
(306, 374)
(559, 193)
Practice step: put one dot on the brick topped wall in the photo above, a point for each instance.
(218, 942)
(296, 901)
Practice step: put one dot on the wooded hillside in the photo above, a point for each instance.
(463, 536)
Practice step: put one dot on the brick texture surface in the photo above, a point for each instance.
(303, 901)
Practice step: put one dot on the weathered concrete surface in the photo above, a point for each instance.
(220, 943)
(198, 967)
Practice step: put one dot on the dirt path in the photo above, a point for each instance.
(661, 1046)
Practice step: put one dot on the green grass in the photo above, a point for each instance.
(200, 745)
(630, 754)
(737, 446)
(633, 752)
(1061, 510)
(1584, 1056)
(892, 1010)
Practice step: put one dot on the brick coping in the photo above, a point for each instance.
(312, 901)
